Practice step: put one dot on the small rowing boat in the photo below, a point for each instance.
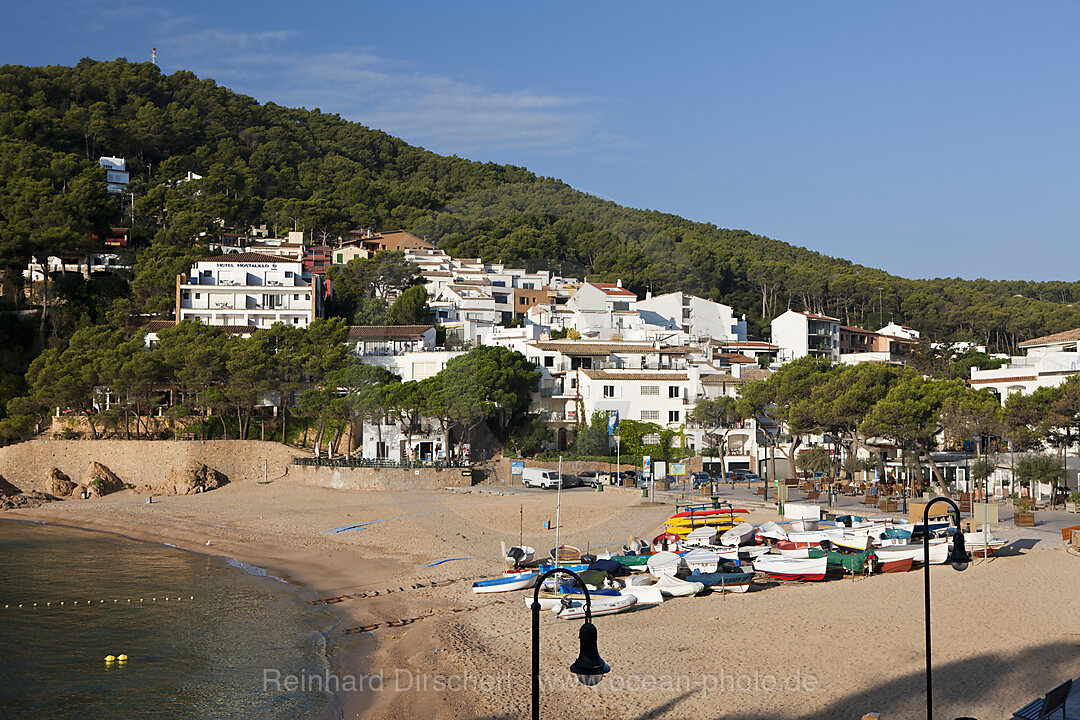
(737, 535)
(507, 583)
(784, 568)
(672, 586)
(663, 563)
(738, 582)
(606, 605)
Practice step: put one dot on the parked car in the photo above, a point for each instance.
(700, 478)
(540, 478)
(571, 481)
(591, 478)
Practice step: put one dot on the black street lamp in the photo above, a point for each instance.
(959, 559)
(589, 666)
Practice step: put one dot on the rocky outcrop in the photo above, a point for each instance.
(59, 484)
(28, 499)
(100, 480)
(192, 477)
(7, 488)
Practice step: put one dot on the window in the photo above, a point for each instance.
(673, 391)
(340, 259)
(296, 296)
(620, 306)
(609, 391)
(549, 361)
(197, 295)
(652, 439)
(650, 414)
(673, 416)
(308, 296)
(296, 321)
(650, 389)
(288, 273)
(187, 295)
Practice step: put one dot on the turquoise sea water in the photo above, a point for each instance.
(201, 658)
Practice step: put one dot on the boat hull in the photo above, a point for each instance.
(509, 583)
(783, 568)
(604, 606)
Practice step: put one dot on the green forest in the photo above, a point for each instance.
(300, 169)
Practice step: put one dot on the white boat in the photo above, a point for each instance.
(939, 551)
(785, 568)
(982, 543)
(770, 531)
(520, 554)
(804, 525)
(507, 583)
(663, 563)
(749, 552)
(645, 594)
(857, 541)
(604, 605)
(672, 586)
(700, 536)
(702, 559)
(789, 550)
(737, 535)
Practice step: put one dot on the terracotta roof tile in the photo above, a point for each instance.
(249, 257)
(387, 332)
(658, 375)
(1067, 336)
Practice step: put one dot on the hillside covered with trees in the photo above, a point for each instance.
(313, 171)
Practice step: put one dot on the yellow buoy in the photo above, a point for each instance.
(122, 657)
(110, 658)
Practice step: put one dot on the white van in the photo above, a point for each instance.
(541, 478)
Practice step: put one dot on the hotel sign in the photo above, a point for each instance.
(272, 266)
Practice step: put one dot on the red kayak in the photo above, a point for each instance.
(706, 513)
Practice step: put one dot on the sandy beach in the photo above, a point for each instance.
(1003, 632)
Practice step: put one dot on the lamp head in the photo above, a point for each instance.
(959, 557)
(589, 667)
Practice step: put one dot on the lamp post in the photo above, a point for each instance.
(589, 666)
(959, 559)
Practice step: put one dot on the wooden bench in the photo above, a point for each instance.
(813, 495)
(760, 491)
(1044, 707)
(870, 500)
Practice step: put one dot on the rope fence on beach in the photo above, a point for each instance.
(401, 588)
(402, 622)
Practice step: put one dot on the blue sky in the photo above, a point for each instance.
(924, 138)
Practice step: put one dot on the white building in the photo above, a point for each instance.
(290, 247)
(605, 298)
(383, 340)
(901, 331)
(698, 318)
(116, 174)
(249, 289)
(799, 334)
(1048, 361)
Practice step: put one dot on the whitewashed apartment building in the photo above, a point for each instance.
(249, 289)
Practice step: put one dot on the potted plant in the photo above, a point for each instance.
(1023, 513)
(1072, 504)
(888, 504)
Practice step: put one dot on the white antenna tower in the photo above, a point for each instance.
(153, 56)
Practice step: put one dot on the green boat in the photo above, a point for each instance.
(630, 560)
(844, 561)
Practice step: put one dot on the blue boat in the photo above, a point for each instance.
(726, 581)
(511, 581)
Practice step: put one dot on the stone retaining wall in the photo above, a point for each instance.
(142, 461)
(345, 478)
